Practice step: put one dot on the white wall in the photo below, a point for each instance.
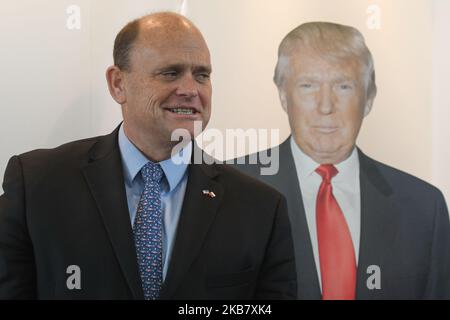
(45, 77)
(53, 88)
(441, 96)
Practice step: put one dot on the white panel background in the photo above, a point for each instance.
(53, 89)
(441, 96)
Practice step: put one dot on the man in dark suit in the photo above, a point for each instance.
(361, 229)
(116, 217)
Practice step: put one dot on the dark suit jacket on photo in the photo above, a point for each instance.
(405, 231)
(67, 206)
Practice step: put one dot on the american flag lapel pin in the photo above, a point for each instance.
(209, 193)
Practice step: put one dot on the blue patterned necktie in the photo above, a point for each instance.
(147, 231)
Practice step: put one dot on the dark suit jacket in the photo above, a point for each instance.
(67, 206)
(404, 230)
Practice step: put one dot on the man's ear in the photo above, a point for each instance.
(368, 106)
(116, 84)
(283, 100)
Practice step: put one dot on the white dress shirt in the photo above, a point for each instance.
(346, 190)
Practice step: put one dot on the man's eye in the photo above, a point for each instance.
(345, 86)
(202, 77)
(307, 86)
(169, 74)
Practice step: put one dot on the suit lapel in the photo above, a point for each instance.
(197, 215)
(378, 225)
(286, 181)
(104, 176)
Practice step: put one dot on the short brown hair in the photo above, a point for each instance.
(124, 43)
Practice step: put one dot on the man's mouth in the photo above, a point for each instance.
(183, 110)
(326, 129)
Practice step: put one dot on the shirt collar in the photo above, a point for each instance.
(306, 166)
(133, 160)
(347, 168)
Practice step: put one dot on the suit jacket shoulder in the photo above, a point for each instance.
(404, 184)
(247, 187)
(42, 162)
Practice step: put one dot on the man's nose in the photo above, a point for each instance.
(326, 101)
(187, 87)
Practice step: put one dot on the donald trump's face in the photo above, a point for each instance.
(326, 102)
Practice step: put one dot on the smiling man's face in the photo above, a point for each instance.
(168, 86)
(326, 103)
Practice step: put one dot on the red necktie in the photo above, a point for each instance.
(337, 256)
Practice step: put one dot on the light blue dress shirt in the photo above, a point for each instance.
(173, 187)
